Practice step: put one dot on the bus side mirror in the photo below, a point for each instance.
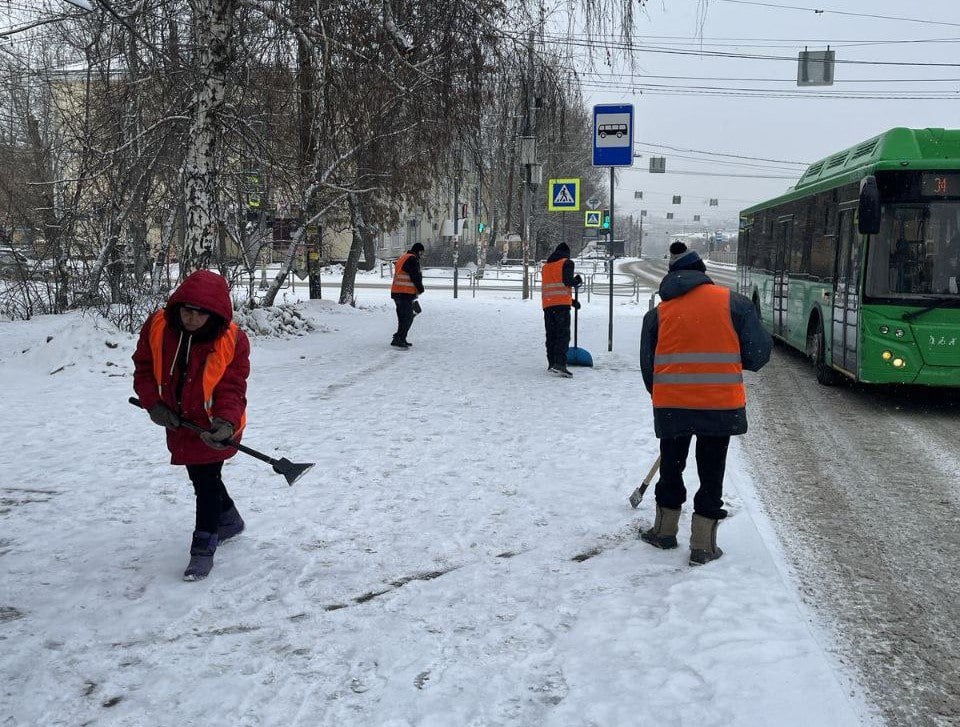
(868, 210)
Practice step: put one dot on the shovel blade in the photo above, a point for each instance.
(635, 497)
(293, 471)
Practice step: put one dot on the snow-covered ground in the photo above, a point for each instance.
(463, 553)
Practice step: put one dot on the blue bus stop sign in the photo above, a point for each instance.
(613, 135)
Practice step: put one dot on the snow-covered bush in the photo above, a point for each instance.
(282, 321)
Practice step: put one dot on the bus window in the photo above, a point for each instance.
(917, 251)
(944, 229)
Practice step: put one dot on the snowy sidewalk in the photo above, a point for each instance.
(462, 554)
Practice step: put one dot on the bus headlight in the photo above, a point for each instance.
(898, 333)
(899, 363)
(886, 355)
(884, 330)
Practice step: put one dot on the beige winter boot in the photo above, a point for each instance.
(703, 540)
(663, 534)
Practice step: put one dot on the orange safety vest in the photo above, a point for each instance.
(224, 349)
(552, 290)
(697, 361)
(401, 281)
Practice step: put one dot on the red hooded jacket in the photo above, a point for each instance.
(210, 291)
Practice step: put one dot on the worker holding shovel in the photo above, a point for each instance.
(557, 284)
(191, 365)
(694, 347)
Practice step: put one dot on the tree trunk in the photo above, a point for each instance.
(270, 296)
(214, 25)
(51, 225)
(162, 264)
(362, 243)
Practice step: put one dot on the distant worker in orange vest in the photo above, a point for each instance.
(191, 364)
(558, 281)
(694, 347)
(407, 285)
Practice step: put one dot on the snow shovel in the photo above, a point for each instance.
(283, 466)
(637, 495)
(577, 356)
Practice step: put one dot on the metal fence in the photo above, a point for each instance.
(624, 285)
(509, 279)
(729, 258)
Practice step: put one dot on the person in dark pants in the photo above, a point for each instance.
(407, 285)
(191, 364)
(694, 347)
(556, 292)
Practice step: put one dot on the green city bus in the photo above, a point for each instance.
(858, 265)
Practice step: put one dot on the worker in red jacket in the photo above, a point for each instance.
(191, 364)
(694, 347)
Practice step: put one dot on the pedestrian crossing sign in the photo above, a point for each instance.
(563, 195)
(593, 218)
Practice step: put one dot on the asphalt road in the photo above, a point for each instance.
(862, 484)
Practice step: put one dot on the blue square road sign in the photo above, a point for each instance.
(613, 135)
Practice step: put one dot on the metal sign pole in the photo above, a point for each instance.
(610, 259)
(612, 147)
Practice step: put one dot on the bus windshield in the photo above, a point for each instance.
(917, 252)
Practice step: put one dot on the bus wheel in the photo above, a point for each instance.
(816, 349)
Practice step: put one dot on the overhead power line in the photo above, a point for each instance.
(657, 90)
(620, 45)
(716, 174)
(698, 42)
(719, 153)
(639, 77)
(818, 11)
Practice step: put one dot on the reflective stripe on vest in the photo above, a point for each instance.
(224, 349)
(552, 290)
(401, 280)
(697, 361)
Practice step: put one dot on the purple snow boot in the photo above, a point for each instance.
(230, 524)
(202, 548)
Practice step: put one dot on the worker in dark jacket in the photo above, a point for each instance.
(407, 285)
(556, 291)
(191, 364)
(693, 349)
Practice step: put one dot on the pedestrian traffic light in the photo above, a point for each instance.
(606, 219)
(481, 227)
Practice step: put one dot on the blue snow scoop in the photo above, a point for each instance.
(577, 356)
(292, 471)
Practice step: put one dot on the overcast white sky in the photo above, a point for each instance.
(803, 127)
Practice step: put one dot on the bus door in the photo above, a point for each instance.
(743, 261)
(846, 293)
(782, 239)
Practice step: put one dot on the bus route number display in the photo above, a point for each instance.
(940, 184)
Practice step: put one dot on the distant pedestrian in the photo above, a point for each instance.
(557, 283)
(407, 285)
(191, 364)
(693, 349)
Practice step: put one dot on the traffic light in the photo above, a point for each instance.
(481, 227)
(606, 220)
